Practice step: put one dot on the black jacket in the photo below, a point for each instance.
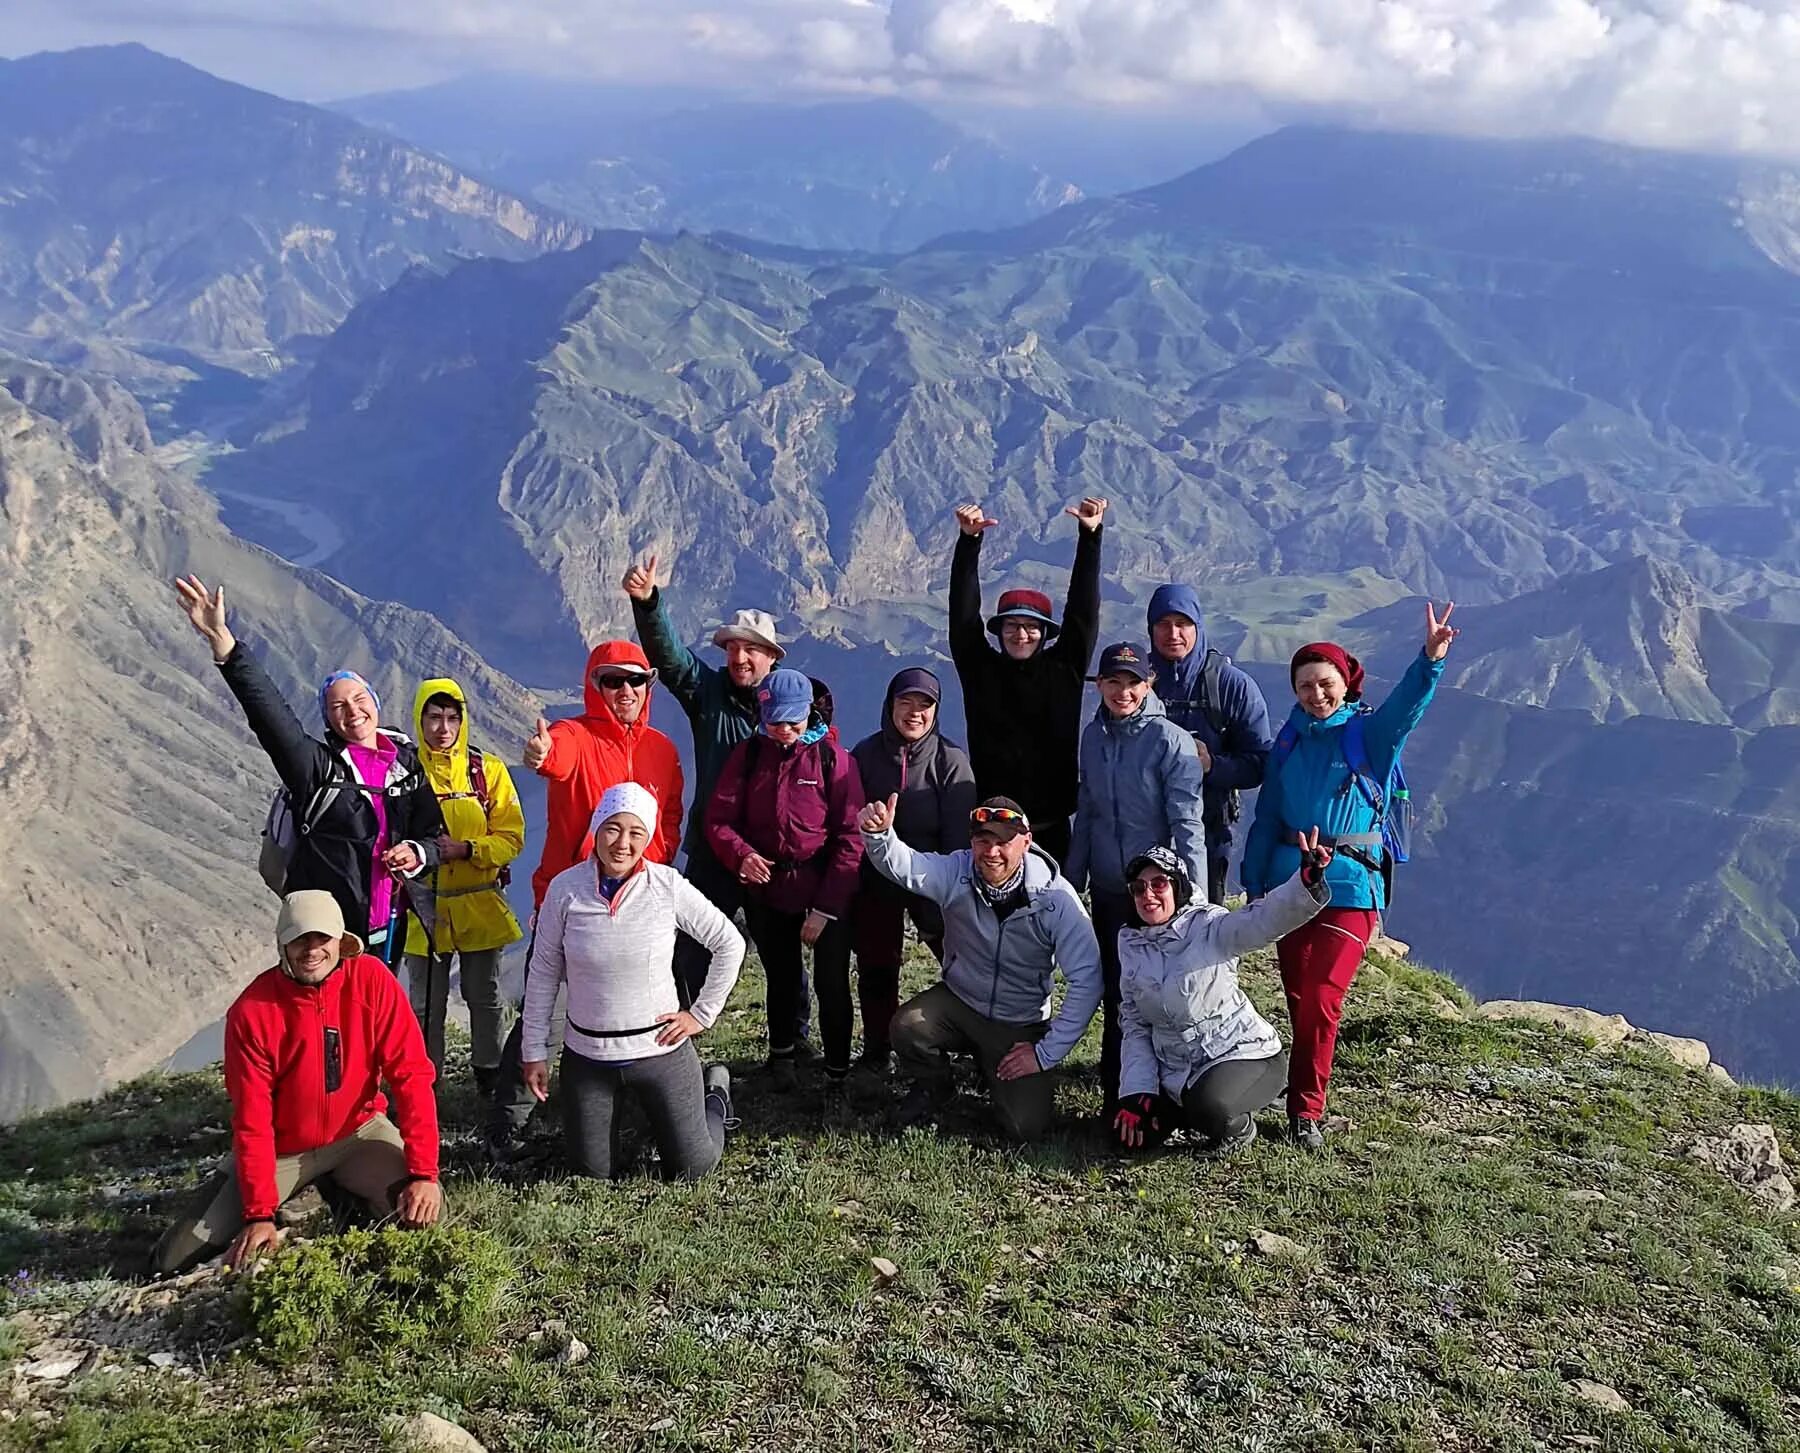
(338, 853)
(935, 783)
(1025, 717)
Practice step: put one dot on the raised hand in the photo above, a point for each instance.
(537, 745)
(878, 817)
(206, 612)
(1315, 857)
(971, 520)
(1088, 513)
(1439, 633)
(640, 580)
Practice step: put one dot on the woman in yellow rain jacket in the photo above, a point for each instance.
(484, 830)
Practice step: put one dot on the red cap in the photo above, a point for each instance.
(1338, 658)
(1031, 604)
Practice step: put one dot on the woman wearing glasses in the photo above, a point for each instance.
(1196, 1055)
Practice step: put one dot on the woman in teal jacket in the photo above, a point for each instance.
(1309, 784)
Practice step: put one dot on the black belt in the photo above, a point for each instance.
(612, 1033)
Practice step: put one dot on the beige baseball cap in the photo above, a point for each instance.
(755, 626)
(312, 910)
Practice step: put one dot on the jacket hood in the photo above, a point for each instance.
(1183, 600)
(891, 740)
(599, 715)
(448, 770)
(1130, 726)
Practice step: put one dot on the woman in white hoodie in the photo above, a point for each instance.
(607, 926)
(1196, 1054)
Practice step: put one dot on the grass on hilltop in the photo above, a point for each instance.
(1455, 1276)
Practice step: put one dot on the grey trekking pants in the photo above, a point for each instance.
(428, 982)
(689, 1129)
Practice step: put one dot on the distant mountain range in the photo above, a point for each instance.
(156, 217)
(131, 788)
(855, 175)
(1558, 381)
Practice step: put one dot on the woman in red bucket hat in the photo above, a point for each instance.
(1022, 702)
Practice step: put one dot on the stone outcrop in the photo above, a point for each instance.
(1606, 1031)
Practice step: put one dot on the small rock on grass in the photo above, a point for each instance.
(1583, 1194)
(428, 1433)
(1599, 1394)
(1278, 1247)
(885, 1270)
(54, 1369)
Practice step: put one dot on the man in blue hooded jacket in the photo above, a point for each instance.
(1220, 706)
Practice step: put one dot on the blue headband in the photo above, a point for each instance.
(337, 676)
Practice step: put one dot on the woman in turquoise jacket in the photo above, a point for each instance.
(1309, 784)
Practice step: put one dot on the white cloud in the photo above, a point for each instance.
(1713, 74)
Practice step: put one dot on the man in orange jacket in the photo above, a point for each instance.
(307, 1048)
(611, 742)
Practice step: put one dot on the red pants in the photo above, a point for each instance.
(1318, 962)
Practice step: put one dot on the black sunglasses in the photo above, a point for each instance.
(618, 682)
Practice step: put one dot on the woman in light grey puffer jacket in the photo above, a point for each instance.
(1196, 1054)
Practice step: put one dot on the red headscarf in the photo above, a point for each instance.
(1338, 659)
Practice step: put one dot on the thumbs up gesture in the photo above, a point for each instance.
(537, 745)
(640, 580)
(878, 817)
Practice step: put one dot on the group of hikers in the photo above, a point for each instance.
(393, 854)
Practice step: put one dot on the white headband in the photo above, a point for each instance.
(630, 797)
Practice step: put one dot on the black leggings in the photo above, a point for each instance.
(688, 1127)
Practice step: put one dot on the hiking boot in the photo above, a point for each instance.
(918, 1107)
(1240, 1135)
(486, 1077)
(1306, 1134)
(805, 1055)
(784, 1075)
(718, 1092)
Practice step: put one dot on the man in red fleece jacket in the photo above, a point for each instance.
(307, 1047)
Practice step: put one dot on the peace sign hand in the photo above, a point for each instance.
(972, 520)
(1315, 857)
(878, 817)
(537, 745)
(1088, 513)
(207, 613)
(640, 580)
(1439, 633)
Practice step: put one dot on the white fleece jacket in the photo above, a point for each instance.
(618, 961)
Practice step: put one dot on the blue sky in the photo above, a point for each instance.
(1706, 74)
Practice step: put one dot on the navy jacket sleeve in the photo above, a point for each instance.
(1244, 748)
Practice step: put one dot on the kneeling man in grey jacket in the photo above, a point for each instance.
(1010, 921)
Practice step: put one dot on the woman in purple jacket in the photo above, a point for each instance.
(783, 818)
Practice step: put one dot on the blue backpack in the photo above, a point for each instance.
(1390, 799)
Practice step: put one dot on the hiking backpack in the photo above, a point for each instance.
(1390, 799)
(1212, 668)
(281, 832)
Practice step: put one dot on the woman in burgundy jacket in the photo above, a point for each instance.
(783, 818)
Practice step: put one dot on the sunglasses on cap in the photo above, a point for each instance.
(618, 680)
(983, 815)
(1147, 883)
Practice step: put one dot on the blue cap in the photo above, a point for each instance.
(785, 696)
(1122, 658)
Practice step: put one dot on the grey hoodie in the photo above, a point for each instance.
(1140, 786)
(1181, 1009)
(1004, 968)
